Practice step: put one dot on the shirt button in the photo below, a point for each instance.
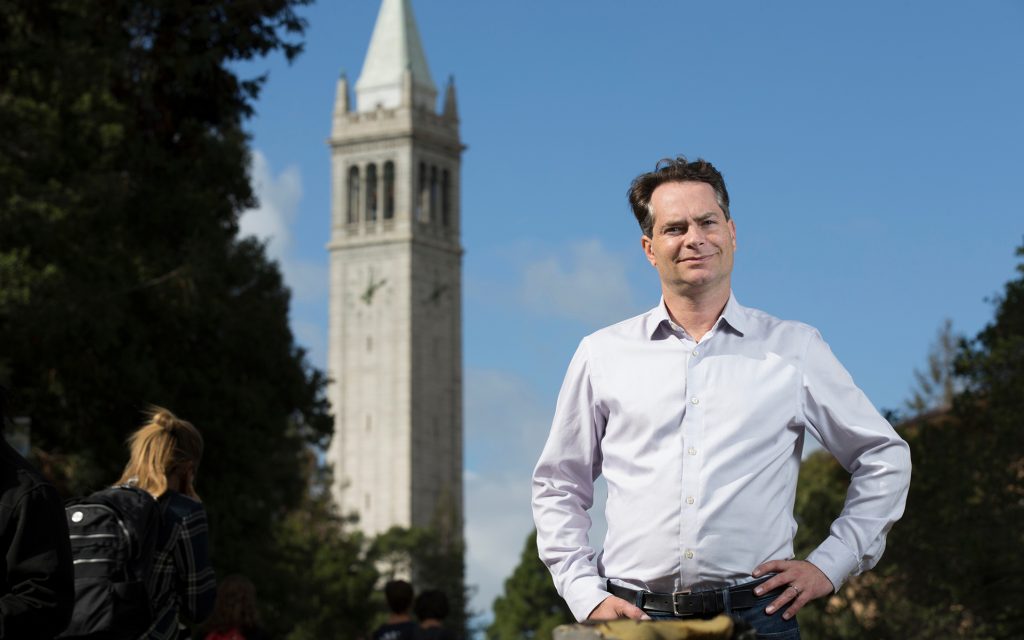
(694, 352)
(694, 401)
(688, 554)
(689, 500)
(691, 451)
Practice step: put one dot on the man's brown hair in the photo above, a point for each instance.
(673, 170)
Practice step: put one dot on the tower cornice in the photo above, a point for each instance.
(391, 239)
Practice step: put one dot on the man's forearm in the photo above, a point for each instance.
(560, 515)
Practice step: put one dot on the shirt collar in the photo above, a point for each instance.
(734, 315)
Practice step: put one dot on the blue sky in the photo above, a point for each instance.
(872, 152)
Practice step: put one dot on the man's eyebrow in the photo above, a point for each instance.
(705, 216)
(674, 222)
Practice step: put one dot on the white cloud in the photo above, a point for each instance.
(506, 425)
(272, 221)
(306, 279)
(507, 422)
(497, 522)
(589, 285)
(278, 206)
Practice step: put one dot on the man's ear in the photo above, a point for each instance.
(645, 242)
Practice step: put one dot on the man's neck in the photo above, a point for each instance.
(696, 313)
(398, 618)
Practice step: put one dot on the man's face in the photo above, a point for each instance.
(692, 244)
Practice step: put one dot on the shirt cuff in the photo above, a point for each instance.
(835, 560)
(585, 594)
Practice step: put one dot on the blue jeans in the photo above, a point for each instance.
(768, 627)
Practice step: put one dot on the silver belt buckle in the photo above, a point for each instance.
(675, 594)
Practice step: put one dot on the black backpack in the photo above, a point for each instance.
(113, 543)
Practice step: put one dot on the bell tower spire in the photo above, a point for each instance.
(450, 111)
(395, 328)
(394, 49)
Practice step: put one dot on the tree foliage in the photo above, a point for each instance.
(123, 170)
(433, 560)
(530, 606)
(322, 574)
(953, 566)
(937, 385)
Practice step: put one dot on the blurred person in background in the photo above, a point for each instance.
(431, 609)
(37, 590)
(235, 613)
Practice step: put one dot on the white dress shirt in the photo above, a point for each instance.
(700, 446)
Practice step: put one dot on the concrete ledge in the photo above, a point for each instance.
(718, 628)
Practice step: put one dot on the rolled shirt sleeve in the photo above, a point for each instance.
(867, 446)
(563, 491)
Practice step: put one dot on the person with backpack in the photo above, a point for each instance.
(165, 456)
(36, 582)
(141, 547)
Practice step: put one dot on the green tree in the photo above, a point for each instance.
(434, 560)
(530, 606)
(936, 386)
(123, 170)
(952, 567)
(990, 413)
(339, 572)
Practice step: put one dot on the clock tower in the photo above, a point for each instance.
(395, 334)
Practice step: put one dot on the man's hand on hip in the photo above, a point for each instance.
(802, 580)
(612, 608)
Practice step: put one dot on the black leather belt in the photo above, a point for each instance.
(697, 603)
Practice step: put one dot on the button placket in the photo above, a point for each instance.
(692, 430)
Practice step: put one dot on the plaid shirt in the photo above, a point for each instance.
(182, 582)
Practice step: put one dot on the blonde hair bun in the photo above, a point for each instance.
(164, 419)
(163, 445)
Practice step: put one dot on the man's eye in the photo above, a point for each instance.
(709, 222)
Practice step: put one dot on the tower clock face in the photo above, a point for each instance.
(372, 284)
(436, 293)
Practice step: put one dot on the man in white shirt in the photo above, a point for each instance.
(695, 413)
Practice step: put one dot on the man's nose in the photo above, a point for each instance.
(694, 236)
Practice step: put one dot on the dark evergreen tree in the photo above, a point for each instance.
(123, 170)
(953, 567)
(936, 386)
(530, 606)
(434, 561)
(323, 576)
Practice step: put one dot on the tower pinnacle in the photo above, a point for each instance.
(394, 48)
(451, 111)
